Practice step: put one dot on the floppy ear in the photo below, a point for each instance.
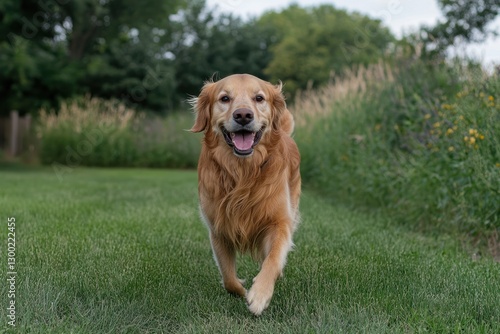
(202, 105)
(278, 97)
(282, 118)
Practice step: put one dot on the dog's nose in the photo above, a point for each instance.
(243, 116)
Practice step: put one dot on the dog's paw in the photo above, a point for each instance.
(236, 287)
(259, 297)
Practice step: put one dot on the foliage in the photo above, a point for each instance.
(81, 25)
(422, 146)
(95, 132)
(58, 49)
(466, 20)
(216, 44)
(311, 44)
(130, 69)
(152, 55)
(136, 52)
(124, 251)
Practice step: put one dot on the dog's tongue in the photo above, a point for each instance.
(243, 140)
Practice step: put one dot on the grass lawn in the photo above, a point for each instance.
(123, 251)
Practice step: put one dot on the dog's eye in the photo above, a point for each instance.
(225, 99)
(259, 98)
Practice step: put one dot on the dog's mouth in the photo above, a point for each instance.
(242, 141)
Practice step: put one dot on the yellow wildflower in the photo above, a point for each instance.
(481, 94)
(451, 149)
(472, 140)
(437, 125)
(427, 116)
(466, 138)
(461, 117)
(449, 131)
(481, 137)
(491, 98)
(472, 132)
(497, 164)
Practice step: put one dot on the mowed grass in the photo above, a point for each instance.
(123, 251)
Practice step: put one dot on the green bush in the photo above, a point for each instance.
(95, 132)
(418, 141)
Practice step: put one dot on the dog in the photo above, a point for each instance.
(249, 181)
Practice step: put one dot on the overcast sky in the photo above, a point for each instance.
(399, 15)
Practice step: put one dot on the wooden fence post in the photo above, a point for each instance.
(14, 129)
(24, 131)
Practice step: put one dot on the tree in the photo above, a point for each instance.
(209, 44)
(310, 44)
(79, 24)
(465, 20)
(52, 50)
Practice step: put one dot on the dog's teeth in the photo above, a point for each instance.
(233, 135)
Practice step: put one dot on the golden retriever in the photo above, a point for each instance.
(248, 179)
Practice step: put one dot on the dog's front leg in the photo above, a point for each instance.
(276, 245)
(225, 256)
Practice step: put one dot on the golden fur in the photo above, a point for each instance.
(248, 201)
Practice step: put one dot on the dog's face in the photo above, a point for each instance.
(240, 108)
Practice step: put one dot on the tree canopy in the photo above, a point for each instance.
(309, 44)
(465, 20)
(155, 53)
(52, 50)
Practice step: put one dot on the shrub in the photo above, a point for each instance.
(418, 141)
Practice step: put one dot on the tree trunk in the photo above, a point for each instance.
(80, 41)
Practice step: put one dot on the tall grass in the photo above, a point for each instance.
(312, 104)
(420, 142)
(95, 132)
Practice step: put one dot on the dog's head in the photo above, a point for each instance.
(240, 108)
